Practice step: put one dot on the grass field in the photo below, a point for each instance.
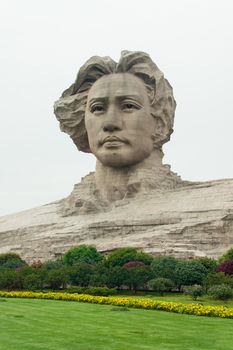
(57, 325)
(182, 298)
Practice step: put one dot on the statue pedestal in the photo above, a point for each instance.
(194, 220)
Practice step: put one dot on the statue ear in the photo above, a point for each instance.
(160, 132)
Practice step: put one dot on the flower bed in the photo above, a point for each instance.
(190, 309)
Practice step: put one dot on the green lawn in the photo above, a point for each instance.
(205, 300)
(180, 298)
(27, 324)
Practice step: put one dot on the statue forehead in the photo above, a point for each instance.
(118, 84)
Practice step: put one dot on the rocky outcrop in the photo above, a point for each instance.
(188, 221)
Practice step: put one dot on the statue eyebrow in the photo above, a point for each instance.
(118, 97)
(129, 96)
(99, 99)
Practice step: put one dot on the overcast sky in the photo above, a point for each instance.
(43, 44)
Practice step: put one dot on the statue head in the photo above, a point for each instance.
(120, 112)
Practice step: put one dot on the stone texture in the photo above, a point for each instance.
(193, 220)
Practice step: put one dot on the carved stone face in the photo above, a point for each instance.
(118, 120)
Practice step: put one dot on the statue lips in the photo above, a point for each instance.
(113, 141)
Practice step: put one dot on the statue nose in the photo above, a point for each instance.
(112, 121)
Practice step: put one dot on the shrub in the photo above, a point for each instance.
(222, 292)
(194, 291)
(226, 267)
(216, 278)
(85, 254)
(161, 285)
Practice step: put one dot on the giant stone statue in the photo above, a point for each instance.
(123, 113)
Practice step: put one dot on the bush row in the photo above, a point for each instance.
(124, 268)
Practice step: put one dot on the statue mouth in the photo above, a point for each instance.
(112, 141)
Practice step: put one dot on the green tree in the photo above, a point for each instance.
(32, 281)
(11, 261)
(86, 254)
(32, 278)
(57, 278)
(189, 272)
(209, 263)
(135, 276)
(116, 277)
(163, 266)
(80, 274)
(123, 255)
(99, 276)
(10, 279)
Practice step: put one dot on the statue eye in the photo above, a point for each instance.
(129, 106)
(97, 109)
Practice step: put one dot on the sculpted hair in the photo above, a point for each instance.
(70, 108)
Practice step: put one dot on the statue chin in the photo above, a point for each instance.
(120, 159)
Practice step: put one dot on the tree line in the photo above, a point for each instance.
(83, 267)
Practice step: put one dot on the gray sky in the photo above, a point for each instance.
(43, 44)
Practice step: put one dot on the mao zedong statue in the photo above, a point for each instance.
(123, 113)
